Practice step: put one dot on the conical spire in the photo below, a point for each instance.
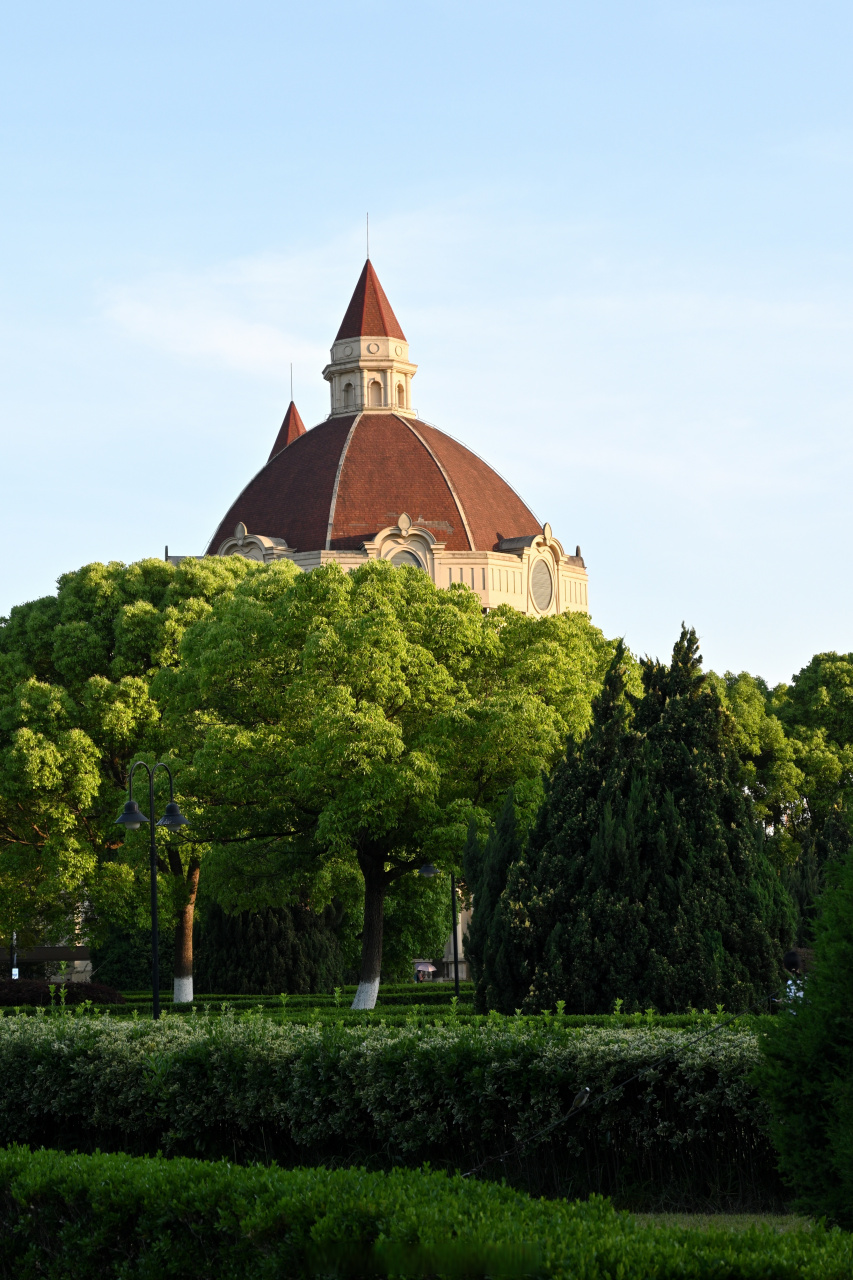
(290, 430)
(369, 313)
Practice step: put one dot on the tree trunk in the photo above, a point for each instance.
(182, 992)
(371, 939)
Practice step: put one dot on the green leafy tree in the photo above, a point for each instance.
(807, 1073)
(340, 723)
(75, 709)
(796, 749)
(645, 877)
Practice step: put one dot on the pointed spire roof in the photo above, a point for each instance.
(369, 313)
(290, 430)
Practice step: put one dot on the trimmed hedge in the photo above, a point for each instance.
(26, 991)
(78, 1217)
(689, 1132)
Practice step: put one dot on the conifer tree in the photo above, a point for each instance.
(499, 981)
(645, 879)
(268, 951)
(807, 1073)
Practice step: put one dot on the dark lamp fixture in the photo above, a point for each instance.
(172, 819)
(427, 870)
(131, 816)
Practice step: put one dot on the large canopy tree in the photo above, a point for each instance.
(333, 723)
(795, 743)
(75, 709)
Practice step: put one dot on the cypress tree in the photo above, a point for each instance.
(807, 1072)
(645, 879)
(264, 952)
(499, 980)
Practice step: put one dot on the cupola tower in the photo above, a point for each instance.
(370, 368)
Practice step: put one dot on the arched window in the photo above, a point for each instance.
(349, 396)
(401, 396)
(374, 394)
(406, 558)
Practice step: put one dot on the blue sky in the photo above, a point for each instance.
(618, 237)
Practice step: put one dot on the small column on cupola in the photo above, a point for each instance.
(370, 370)
(291, 429)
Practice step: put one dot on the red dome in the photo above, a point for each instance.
(338, 485)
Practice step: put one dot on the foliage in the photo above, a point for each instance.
(796, 746)
(272, 950)
(489, 945)
(645, 878)
(122, 958)
(24, 991)
(682, 1125)
(345, 724)
(807, 1073)
(107, 1215)
(75, 708)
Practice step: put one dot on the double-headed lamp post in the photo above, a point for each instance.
(430, 870)
(133, 818)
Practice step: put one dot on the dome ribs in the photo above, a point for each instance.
(492, 507)
(291, 496)
(369, 313)
(388, 470)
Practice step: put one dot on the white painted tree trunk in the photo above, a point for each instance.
(182, 992)
(365, 996)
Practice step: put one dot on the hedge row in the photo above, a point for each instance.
(29, 991)
(673, 1118)
(77, 1217)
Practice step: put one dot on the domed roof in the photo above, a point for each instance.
(337, 485)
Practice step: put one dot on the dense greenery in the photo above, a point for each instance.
(807, 1074)
(75, 709)
(269, 951)
(645, 880)
(64, 1217)
(673, 1117)
(344, 728)
(796, 746)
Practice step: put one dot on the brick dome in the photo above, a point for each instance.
(336, 486)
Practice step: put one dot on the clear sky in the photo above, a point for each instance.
(617, 234)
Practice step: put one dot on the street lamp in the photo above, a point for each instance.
(133, 818)
(429, 870)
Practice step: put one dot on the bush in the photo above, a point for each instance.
(23, 991)
(69, 1217)
(685, 1130)
(807, 1069)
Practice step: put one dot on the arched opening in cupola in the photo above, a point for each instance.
(374, 394)
(401, 396)
(349, 396)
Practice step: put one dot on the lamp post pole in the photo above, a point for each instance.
(455, 935)
(429, 870)
(132, 818)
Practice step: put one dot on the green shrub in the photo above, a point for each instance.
(807, 1069)
(688, 1131)
(77, 1217)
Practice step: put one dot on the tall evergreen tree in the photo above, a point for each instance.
(807, 1072)
(499, 981)
(268, 951)
(645, 879)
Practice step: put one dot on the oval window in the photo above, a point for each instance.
(541, 585)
